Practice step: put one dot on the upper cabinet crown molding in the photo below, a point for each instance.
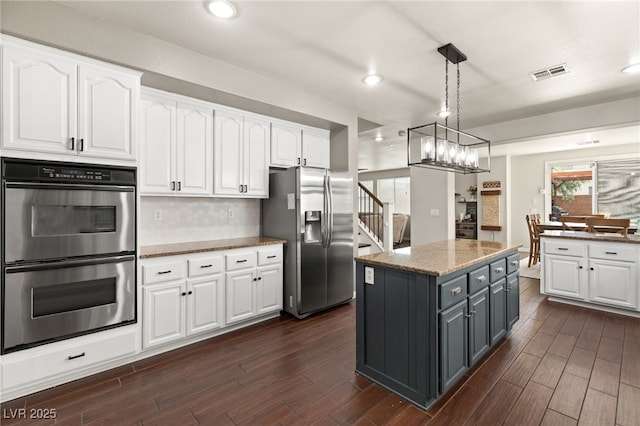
(58, 102)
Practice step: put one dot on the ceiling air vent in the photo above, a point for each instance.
(553, 71)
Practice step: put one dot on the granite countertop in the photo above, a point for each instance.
(440, 258)
(581, 235)
(160, 250)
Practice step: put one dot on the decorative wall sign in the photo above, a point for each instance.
(491, 206)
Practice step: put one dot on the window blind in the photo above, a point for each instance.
(618, 188)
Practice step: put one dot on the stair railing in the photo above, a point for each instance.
(370, 212)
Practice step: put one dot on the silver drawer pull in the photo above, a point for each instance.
(481, 278)
(241, 261)
(563, 248)
(499, 270)
(206, 266)
(456, 291)
(70, 357)
(272, 256)
(164, 272)
(610, 252)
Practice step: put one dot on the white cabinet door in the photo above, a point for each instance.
(194, 162)
(285, 145)
(157, 136)
(269, 289)
(164, 307)
(38, 101)
(255, 162)
(564, 276)
(613, 283)
(227, 153)
(240, 288)
(107, 113)
(315, 148)
(204, 304)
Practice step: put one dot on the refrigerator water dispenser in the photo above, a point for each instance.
(312, 228)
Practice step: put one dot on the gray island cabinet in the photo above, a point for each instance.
(426, 314)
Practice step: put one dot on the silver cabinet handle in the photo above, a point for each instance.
(245, 189)
(305, 161)
(499, 270)
(481, 278)
(179, 186)
(610, 252)
(272, 256)
(164, 272)
(241, 261)
(455, 291)
(298, 161)
(206, 266)
(563, 248)
(240, 189)
(73, 144)
(81, 144)
(173, 185)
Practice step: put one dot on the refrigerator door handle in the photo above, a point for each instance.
(329, 212)
(325, 220)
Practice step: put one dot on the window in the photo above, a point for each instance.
(397, 191)
(618, 188)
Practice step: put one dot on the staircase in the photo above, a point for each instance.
(374, 218)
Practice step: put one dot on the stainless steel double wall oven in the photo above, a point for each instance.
(68, 250)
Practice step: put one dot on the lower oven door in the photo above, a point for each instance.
(54, 301)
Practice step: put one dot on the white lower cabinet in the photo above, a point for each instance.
(254, 285)
(183, 303)
(604, 273)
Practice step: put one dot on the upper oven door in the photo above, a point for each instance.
(52, 221)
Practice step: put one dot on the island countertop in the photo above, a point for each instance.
(203, 246)
(590, 236)
(439, 258)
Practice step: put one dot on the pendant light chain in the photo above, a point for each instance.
(458, 100)
(446, 90)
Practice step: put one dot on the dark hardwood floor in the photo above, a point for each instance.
(560, 366)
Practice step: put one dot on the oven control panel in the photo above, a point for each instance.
(48, 172)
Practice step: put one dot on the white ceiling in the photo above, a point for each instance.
(327, 47)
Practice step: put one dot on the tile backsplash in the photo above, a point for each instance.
(196, 219)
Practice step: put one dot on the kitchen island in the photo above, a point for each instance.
(425, 314)
(594, 270)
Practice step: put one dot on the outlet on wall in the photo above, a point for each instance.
(230, 214)
(157, 215)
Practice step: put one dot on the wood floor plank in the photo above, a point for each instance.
(387, 409)
(529, 327)
(530, 407)
(569, 394)
(553, 418)
(459, 408)
(589, 339)
(562, 345)
(610, 349)
(599, 409)
(410, 415)
(573, 325)
(521, 370)
(614, 326)
(630, 372)
(351, 410)
(549, 370)
(495, 407)
(580, 362)
(539, 344)
(628, 412)
(605, 377)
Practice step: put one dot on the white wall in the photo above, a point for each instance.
(431, 190)
(528, 177)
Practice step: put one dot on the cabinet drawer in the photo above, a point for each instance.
(453, 291)
(513, 263)
(66, 358)
(205, 266)
(567, 248)
(498, 269)
(162, 272)
(269, 256)
(478, 279)
(242, 260)
(626, 254)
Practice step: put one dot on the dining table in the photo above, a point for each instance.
(578, 226)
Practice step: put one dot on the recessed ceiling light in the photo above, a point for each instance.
(372, 79)
(222, 9)
(632, 69)
(378, 139)
(444, 114)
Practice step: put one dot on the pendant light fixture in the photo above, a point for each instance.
(442, 147)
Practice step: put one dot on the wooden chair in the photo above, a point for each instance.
(534, 240)
(619, 226)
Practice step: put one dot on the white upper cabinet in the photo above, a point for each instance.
(241, 145)
(177, 141)
(297, 145)
(315, 147)
(56, 102)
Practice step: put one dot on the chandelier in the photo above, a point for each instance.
(442, 147)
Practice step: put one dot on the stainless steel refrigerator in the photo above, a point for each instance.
(313, 210)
